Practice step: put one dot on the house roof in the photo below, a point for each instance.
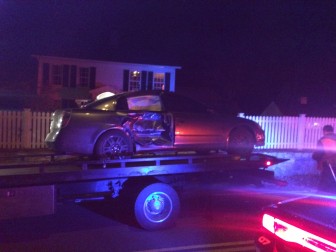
(272, 110)
(56, 58)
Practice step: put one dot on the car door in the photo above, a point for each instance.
(147, 122)
(194, 123)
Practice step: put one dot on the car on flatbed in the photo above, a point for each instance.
(149, 121)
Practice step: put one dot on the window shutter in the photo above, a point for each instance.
(73, 75)
(167, 82)
(126, 80)
(45, 74)
(66, 71)
(150, 81)
(92, 77)
(143, 80)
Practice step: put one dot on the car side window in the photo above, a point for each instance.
(176, 103)
(144, 103)
(122, 104)
(107, 106)
(104, 104)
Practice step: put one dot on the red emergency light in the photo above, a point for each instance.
(293, 234)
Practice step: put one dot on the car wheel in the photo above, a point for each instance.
(241, 142)
(156, 206)
(113, 144)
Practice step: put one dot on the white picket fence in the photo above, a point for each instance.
(286, 132)
(27, 130)
(23, 129)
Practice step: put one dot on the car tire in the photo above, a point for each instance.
(113, 144)
(241, 142)
(156, 206)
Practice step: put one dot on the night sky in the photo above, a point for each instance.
(245, 54)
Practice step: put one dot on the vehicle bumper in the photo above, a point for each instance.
(50, 140)
(50, 145)
(266, 242)
(56, 143)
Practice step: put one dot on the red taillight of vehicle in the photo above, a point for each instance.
(65, 119)
(293, 234)
(260, 137)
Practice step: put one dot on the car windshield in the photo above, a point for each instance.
(136, 103)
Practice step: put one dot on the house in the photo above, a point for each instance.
(64, 81)
(272, 110)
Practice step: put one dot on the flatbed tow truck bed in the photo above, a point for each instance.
(30, 187)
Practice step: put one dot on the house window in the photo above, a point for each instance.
(158, 81)
(134, 81)
(56, 74)
(84, 76)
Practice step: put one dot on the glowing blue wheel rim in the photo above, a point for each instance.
(158, 207)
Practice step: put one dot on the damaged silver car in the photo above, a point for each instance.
(149, 121)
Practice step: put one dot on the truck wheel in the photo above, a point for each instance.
(113, 144)
(156, 206)
(241, 142)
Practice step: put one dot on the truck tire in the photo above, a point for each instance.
(156, 206)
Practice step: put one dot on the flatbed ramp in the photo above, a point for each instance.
(32, 188)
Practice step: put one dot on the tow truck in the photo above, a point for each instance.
(33, 184)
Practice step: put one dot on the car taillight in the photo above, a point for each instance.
(260, 137)
(65, 119)
(59, 119)
(290, 233)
